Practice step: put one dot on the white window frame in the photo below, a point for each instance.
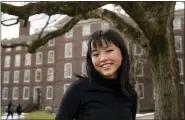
(86, 29)
(6, 77)
(105, 25)
(179, 39)
(142, 71)
(13, 92)
(16, 73)
(84, 48)
(49, 55)
(175, 27)
(69, 34)
(47, 90)
(8, 49)
(27, 59)
(68, 45)
(51, 42)
(17, 61)
(24, 92)
(66, 87)
(26, 72)
(65, 68)
(36, 80)
(135, 50)
(180, 61)
(18, 48)
(5, 89)
(143, 90)
(37, 61)
(7, 61)
(52, 74)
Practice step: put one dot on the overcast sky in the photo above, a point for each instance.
(38, 21)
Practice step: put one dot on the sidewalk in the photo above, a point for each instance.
(15, 116)
(143, 115)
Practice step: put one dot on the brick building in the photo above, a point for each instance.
(43, 77)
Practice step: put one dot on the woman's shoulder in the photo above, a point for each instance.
(79, 84)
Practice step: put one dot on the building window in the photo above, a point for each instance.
(86, 29)
(104, 25)
(139, 69)
(66, 87)
(180, 66)
(16, 76)
(178, 43)
(84, 68)
(49, 92)
(6, 77)
(51, 42)
(26, 93)
(7, 61)
(39, 58)
(84, 48)
(137, 50)
(140, 91)
(69, 34)
(68, 70)
(38, 75)
(68, 50)
(51, 56)
(27, 76)
(18, 48)
(27, 59)
(15, 93)
(50, 74)
(177, 23)
(17, 60)
(5, 93)
(8, 49)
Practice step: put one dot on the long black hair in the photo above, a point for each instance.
(111, 36)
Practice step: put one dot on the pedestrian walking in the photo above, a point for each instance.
(9, 110)
(19, 110)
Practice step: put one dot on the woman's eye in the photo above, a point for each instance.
(96, 54)
(109, 50)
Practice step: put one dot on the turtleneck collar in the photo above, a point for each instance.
(109, 83)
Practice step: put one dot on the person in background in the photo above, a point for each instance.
(9, 110)
(19, 110)
(105, 93)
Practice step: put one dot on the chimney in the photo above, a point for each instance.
(24, 30)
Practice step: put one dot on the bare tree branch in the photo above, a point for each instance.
(17, 21)
(44, 27)
(125, 25)
(43, 40)
(146, 15)
(71, 8)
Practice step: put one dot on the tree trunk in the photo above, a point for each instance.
(165, 75)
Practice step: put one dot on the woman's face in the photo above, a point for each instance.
(107, 60)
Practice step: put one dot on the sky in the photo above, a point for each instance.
(38, 21)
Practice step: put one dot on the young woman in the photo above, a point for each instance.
(105, 93)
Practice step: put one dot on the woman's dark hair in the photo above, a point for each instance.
(111, 36)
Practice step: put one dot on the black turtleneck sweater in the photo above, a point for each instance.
(98, 99)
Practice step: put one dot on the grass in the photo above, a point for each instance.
(3, 113)
(39, 115)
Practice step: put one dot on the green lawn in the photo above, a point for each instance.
(39, 115)
(2, 114)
